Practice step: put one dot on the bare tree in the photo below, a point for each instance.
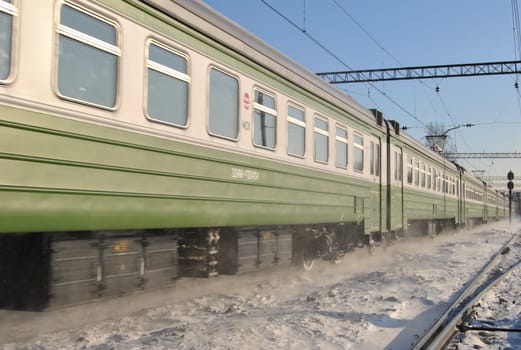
(438, 139)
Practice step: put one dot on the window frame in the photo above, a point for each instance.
(359, 147)
(429, 177)
(208, 114)
(410, 170)
(11, 9)
(416, 172)
(398, 171)
(371, 157)
(265, 109)
(320, 131)
(377, 159)
(422, 174)
(343, 140)
(298, 123)
(92, 42)
(171, 73)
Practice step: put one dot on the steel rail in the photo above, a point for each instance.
(446, 327)
(455, 326)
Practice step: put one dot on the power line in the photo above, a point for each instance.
(423, 72)
(323, 47)
(366, 32)
(303, 31)
(517, 45)
(359, 25)
(516, 28)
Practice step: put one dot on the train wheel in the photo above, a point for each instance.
(372, 247)
(309, 254)
(308, 262)
(336, 261)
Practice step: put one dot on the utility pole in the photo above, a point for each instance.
(510, 185)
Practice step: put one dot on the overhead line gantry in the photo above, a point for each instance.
(422, 72)
(506, 155)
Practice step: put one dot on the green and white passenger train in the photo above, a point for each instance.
(143, 141)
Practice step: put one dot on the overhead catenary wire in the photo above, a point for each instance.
(362, 28)
(344, 10)
(517, 46)
(383, 49)
(337, 58)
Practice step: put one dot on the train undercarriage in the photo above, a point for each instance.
(46, 270)
(42, 270)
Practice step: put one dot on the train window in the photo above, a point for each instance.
(371, 158)
(409, 170)
(264, 120)
(296, 131)
(416, 172)
(358, 152)
(321, 139)
(224, 105)
(167, 85)
(7, 13)
(395, 162)
(434, 177)
(374, 158)
(88, 56)
(422, 174)
(377, 160)
(341, 147)
(398, 166)
(453, 186)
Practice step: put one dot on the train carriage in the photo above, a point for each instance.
(141, 141)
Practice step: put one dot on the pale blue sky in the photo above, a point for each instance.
(415, 33)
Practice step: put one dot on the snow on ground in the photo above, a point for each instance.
(380, 302)
(501, 308)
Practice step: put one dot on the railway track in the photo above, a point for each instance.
(458, 316)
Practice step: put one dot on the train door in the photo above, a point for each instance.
(485, 203)
(462, 201)
(396, 189)
(375, 171)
